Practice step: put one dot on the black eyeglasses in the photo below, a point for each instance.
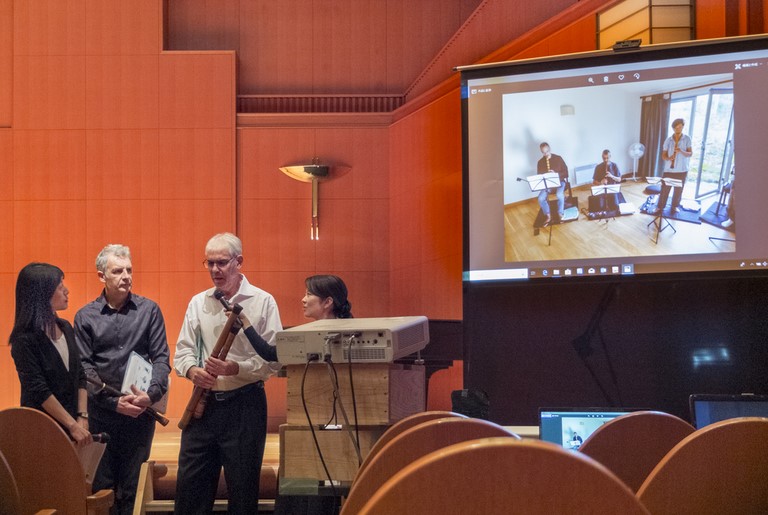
(221, 263)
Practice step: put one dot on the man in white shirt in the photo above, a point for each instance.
(232, 431)
(676, 153)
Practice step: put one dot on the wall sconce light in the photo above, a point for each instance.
(313, 173)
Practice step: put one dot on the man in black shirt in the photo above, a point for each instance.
(109, 331)
(606, 172)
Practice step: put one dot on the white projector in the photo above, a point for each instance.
(367, 340)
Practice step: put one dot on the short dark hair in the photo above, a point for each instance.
(606, 152)
(35, 286)
(332, 286)
(677, 121)
(543, 144)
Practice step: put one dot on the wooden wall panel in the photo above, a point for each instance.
(203, 80)
(208, 24)
(138, 228)
(320, 46)
(49, 27)
(710, 19)
(275, 213)
(113, 27)
(49, 92)
(426, 208)
(122, 92)
(196, 164)
(6, 62)
(122, 164)
(6, 164)
(52, 231)
(49, 164)
(185, 227)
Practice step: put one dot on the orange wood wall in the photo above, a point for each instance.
(114, 140)
(320, 46)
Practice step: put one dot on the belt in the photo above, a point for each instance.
(223, 396)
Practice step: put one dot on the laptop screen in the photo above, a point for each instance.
(710, 408)
(570, 427)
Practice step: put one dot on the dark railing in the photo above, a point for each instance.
(318, 103)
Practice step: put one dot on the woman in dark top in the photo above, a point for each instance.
(44, 351)
(326, 297)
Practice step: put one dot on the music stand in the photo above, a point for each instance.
(604, 189)
(660, 221)
(544, 181)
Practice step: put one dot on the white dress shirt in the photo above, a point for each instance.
(205, 319)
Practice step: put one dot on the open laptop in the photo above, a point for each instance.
(570, 427)
(710, 408)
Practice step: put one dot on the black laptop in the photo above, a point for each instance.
(570, 427)
(710, 408)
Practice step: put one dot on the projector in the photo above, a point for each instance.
(366, 340)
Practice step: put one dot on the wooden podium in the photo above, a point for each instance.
(383, 393)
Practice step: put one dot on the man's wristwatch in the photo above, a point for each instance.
(82, 414)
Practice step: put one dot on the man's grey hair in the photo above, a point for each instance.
(113, 249)
(225, 241)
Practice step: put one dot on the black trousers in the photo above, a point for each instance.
(231, 433)
(130, 440)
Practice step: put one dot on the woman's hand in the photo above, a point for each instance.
(78, 430)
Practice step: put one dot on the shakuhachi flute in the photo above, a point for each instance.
(196, 404)
(149, 410)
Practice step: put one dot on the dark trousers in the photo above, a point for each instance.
(678, 193)
(130, 440)
(231, 433)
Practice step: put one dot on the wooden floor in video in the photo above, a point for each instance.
(622, 236)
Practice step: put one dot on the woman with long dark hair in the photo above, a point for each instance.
(44, 351)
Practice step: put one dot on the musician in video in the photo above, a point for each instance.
(231, 431)
(676, 154)
(109, 330)
(606, 172)
(550, 162)
(44, 351)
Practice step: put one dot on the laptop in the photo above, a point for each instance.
(570, 427)
(710, 408)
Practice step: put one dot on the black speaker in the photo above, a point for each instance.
(472, 403)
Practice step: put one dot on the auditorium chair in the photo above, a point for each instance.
(10, 503)
(633, 444)
(503, 476)
(402, 425)
(46, 467)
(720, 468)
(412, 444)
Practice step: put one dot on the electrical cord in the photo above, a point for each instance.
(352, 389)
(347, 425)
(312, 428)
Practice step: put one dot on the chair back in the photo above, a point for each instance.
(402, 425)
(720, 468)
(9, 493)
(633, 444)
(413, 444)
(503, 476)
(43, 461)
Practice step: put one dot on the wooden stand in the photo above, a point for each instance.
(383, 394)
